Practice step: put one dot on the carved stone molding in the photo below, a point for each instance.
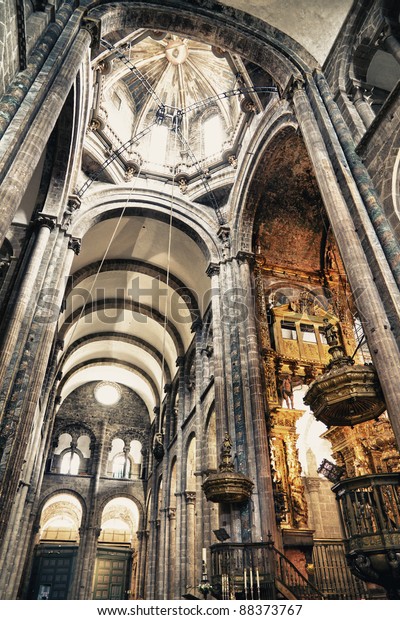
(190, 497)
(74, 244)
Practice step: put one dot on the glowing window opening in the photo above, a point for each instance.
(158, 144)
(107, 393)
(121, 467)
(288, 330)
(308, 333)
(212, 135)
(70, 463)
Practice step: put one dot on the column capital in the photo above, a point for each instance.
(295, 85)
(245, 257)
(93, 27)
(59, 345)
(74, 244)
(213, 269)
(171, 513)
(45, 221)
(190, 497)
(196, 325)
(312, 484)
(180, 361)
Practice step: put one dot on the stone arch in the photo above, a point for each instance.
(107, 361)
(110, 495)
(217, 25)
(192, 219)
(284, 193)
(121, 511)
(61, 490)
(137, 266)
(128, 338)
(243, 209)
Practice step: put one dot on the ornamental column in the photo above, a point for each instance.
(258, 401)
(190, 584)
(143, 537)
(22, 418)
(380, 338)
(171, 593)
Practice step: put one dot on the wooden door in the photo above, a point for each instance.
(112, 575)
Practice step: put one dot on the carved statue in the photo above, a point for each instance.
(331, 334)
(299, 504)
(287, 392)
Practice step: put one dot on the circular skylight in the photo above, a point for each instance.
(107, 393)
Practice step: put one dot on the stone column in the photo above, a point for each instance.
(171, 552)
(81, 588)
(89, 550)
(22, 416)
(143, 536)
(190, 541)
(25, 302)
(392, 45)
(380, 338)
(18, 173)
(20, 85)
(179, 559)
(258, 401)
(355, 176)
(162, 555)
(362, 106)
(313, 485)
(152, 563)
(218, 345)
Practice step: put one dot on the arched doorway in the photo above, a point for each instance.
(114, 577)
(56, 552)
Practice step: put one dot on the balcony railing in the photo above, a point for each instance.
(332, 575)
(370, 512)
(257, 571)
(370, 508)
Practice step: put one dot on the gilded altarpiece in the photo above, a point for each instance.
(294, 348)
(368, 448)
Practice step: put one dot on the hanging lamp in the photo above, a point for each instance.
(227, 485)
(347, 393)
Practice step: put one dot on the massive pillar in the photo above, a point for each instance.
(23, 413)
(240, 401)
(380, 337)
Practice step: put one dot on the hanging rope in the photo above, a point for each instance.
(122, 214)
(171, 214)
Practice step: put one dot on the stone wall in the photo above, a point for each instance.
(322, 508)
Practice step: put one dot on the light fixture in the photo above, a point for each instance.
(107, 393)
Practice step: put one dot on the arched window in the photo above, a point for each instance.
(121, 467)
(70, 463)
(158, 144)
(212, 135)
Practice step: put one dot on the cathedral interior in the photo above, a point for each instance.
(199, 296)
